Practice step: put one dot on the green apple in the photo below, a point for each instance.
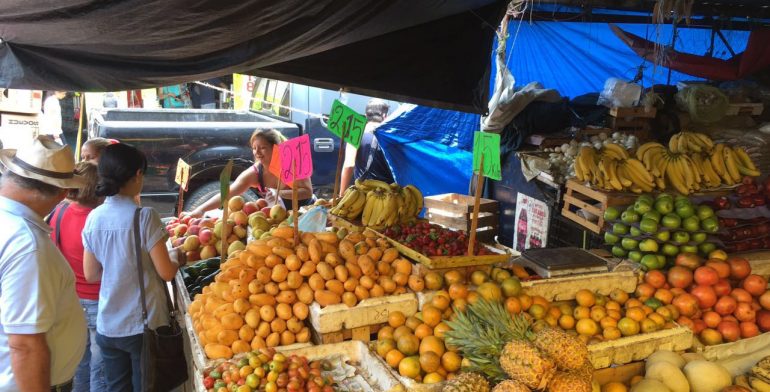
(710, 224)
(664, 206)
(689, 249)
(650, 262)
(664, 195)
(635, 255)
(654, 215)
(629, 216)
(681, 199)
(691, 223)
(706, 248)
(671, 221)
(618, 251)
(611, 214)
(648, 245)
(634, 231)
(619, 229)
(648, 226)
(698, 237)
(663, 236)
(629, 243)
(642, 206)
(610, 239)
(646, 198)
(670, 250)
(704, 212)
(681, 237)
(685, 210)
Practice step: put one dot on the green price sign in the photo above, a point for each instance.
(487, 144)
(346, 123)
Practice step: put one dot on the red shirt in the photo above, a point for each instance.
(71, 245)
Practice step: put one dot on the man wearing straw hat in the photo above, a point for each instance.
(42, 326)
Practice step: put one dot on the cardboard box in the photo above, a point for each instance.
(17, 130)
(21, 101)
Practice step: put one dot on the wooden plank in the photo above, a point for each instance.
(367, 312)
(583, 205)
(622, 373)
(463, 223)
(564, 288)
(638, 347)
(636, 111)
(744, 109)
(580, 220)
(458, 203)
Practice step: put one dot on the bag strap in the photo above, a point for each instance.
(60, 214)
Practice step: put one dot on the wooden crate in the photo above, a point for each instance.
(409, 384)
(339, 322)
(420, 270)
(744, 109)
(638, 347)
(622, 373)
(564, 288)
(732, 349)
(455, 211)
(547, 141)
(592, 201)
(634, 112)
(640, 127)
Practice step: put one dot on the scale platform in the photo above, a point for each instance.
(552, 262)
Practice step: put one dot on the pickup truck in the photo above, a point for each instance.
(206, 140)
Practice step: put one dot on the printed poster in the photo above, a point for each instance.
(532, 217)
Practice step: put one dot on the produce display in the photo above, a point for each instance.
(745, 217)
(691, 162)
(199, 274)
(757, 378)
(653, 231)
(561, 159)
(379, 204)
(433, 240)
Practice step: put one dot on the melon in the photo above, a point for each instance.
(665, 356)
(706, 376)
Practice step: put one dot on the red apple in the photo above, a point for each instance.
(178, 242)
(185, 219)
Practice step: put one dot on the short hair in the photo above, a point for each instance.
(86, 195)
(98, 143)
(376, 110)
(272, 136)
(44, 189)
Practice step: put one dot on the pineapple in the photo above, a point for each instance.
(569, 382)
(567, 351)
(467, 382)
(511, 386)
(523, 362)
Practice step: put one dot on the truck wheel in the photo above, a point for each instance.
(208, 190)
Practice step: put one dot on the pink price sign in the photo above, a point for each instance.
(295, 155)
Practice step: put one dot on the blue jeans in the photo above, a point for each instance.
(122, 370)
(89, 376)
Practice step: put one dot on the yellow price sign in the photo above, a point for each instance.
(182, 174)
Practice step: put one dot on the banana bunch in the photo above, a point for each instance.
(732, 163)
(380, 204)
(687, 142)
(612, 168)
(758, 378)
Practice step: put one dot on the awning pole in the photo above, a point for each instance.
(80, 126)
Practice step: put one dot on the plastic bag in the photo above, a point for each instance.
(705, 104)
(314, 220)
(619, 94)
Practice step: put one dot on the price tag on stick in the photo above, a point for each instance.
(346, 123)
(295, 159)
(487, 144)
(182, 174)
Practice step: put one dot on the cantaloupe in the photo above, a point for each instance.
(650, 385)
(706, 376)
(665, 356)
(669, 374)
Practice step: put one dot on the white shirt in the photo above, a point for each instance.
(51, 119)
(350, 150)
(37, 294)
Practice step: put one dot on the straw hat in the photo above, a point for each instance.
(44, 160)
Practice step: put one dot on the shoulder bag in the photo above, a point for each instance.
(163, 362)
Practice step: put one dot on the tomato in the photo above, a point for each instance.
(741, 295)
(208, 382)
(721, 267)
(698, 326)
(712, 319)
(706, 296)
(644, 290)
(687, 304)
(722, 287)
(749, 330)
(739, 268)
(680, 277)
(725, 305)
(744, 312)
(705, 276)
(690, 261)
(755, 285)
(730, 330)
(686, 322)
(763, 320)
(764, 300)
(655, 279)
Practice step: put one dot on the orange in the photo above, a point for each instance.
(647, 309)
(393, 357)
(432, 378)
(478, 277)
(616, 314)
(408, 344)
(401, 331)
(658, 319)
(565, 308)
(647, 326)
(434, 344)
(513, 305)
(409, 367)
(430, 362)
(385, 332)
(526, 302)
(601, 299)
(441, 329)
(537, 311)
(636, 314)
(665, 312)
(581, 312)
(554, 312)
(412, 322)
(472, 297)
(598, 313)
(384, 346)
(614, 387)
(431, 315)
(619, 296)
(460, 304)
(636, 379)
(453, 276)
(551, 320)
(612, 305)
(664, 295)
(608, 322)
(451, 361)
(628, 326)
(633, 303)
(585, 298)
(423, 330)
(396, 319)
(433, 281)
(458, 290)
(402, 266)
(537, 299)
(490, 291)
(611, 333)
(587, 327)
(441, 302)
(566, 321)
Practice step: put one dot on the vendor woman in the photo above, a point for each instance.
(259, 178)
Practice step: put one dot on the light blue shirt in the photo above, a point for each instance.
(37, 294)
(109, 235)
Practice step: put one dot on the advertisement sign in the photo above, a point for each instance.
(532, 217)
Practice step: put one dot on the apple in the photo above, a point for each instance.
(681, 237)
(185, 219)
(648, 225)
(634, 231)
(207, 223)
(704, 212)
(616, 251)
(710, 224)
(609, 238)
(635, 256)
(191, 243)
(208, 252)
(698, 237)
(691, 223)
(689, 248)
(654, 215)
(236, 203)
(663, 236)
(629, 243)
(670, 250)
(250, 208)
(684, 210)
(763, 320)
(629, 216)
(648, 245)
(664, 206)
(619, 228)
(642, 206)
(671, 221)
(205, 236)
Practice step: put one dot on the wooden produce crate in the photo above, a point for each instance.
(638, 347)
(592, 201)
(564, 288)
(339, 322)
(732, 349)
(455, 211)
(622, 373)
(183, 297)
(633, 112)
(420, 270)
(744, 109)
(548, 141)
(409, 384)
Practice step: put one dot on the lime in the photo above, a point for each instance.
(635, 256)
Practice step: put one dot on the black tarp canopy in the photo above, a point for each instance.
(434, 52)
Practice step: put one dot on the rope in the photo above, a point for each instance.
(252, 99)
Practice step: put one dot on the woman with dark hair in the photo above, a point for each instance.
(266, 184)
(108, 239)
(67, 222)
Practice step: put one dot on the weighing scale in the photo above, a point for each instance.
(554, 262)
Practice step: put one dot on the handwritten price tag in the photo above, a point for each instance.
(487, 144)
(182, 174)
(346, 123)
(295, 155)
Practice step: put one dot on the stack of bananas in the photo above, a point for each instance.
(612, 168)
(380, 204)
(693, 162)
